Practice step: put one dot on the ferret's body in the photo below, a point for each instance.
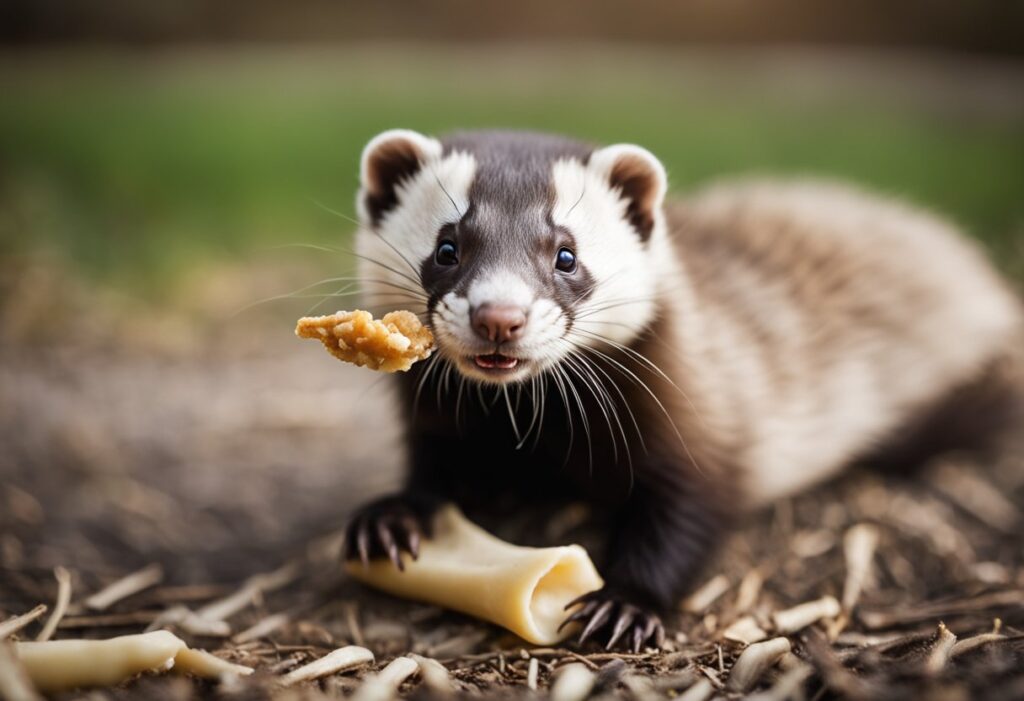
(826, 321)
(695, 358)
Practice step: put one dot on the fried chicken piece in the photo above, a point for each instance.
(390, 344)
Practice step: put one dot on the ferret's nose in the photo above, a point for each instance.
(498, 323)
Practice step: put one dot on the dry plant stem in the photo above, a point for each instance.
(573, 683)
(58, 665)
(744, 630)
(968, 644)
(467, 569)
(190, 622)
(798, 617)
(14, 682)
(341, 660)
(13, 625)
(859, 546)
(641, 688)
(531, 674)
(701, 691)
(63, 599)
(262, 628)
(941, 650)
(352, 621)
(434, 674)
(384, 685)
(707, 594)
(398, 670)
(123, 588)
(253, 588)
(755, 661)
(109, 620)
(787, 686)
(203, 664)
(749, 590)
(943, 609)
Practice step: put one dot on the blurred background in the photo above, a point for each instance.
(170, 172)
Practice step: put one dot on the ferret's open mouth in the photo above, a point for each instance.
(495, 361)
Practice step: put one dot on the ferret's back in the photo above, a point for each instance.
(829, 316)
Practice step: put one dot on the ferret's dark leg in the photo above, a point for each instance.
(663, 537)
(398, 522)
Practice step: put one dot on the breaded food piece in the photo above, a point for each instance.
(390, 344)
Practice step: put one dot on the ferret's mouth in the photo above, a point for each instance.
(496, 362)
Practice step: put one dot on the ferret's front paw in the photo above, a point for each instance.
(388, 527)
(608, 615)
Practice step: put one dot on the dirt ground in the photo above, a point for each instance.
(132, 441)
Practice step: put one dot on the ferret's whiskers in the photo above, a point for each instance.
(378, 234)
(577, 369)
(342, 291)
(424, 374)
(458, 403)
(418, 283)
(583, 192)
(556, 376)
(640, 383)
(298, 292)
(607, 399)
(571, 386)
(622, 396)
(445, 376)
(643, 360)
(614, 304)
(447, 194)
(543, 382)
(511, 413)
(483, 402)
(532, 391)
(591, 367)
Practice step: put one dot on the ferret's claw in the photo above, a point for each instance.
(390, 546)
(613, 618)
(412, 538)
(363, 542)
(578, 600)
(626, 615)
(638, 639)
(386, 528)
(587, 609)
(599, 618)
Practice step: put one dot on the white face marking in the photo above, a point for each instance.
(500, 287)
(390, 256)
(625, 273)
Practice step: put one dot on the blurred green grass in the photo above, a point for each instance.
(135, 170)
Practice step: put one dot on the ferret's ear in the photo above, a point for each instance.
(639, 178)
(390, 159)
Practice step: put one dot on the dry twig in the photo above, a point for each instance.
(803, 615)
(754, 661)
(573, 683)
(16, 623)
(123, 588)
(341, 660)
(14, 683)
(63, 599)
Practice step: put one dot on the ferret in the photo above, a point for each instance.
(672, 363)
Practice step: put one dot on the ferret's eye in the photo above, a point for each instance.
(446, 254)
(565, 260)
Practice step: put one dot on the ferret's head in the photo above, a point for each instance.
(515, 248)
